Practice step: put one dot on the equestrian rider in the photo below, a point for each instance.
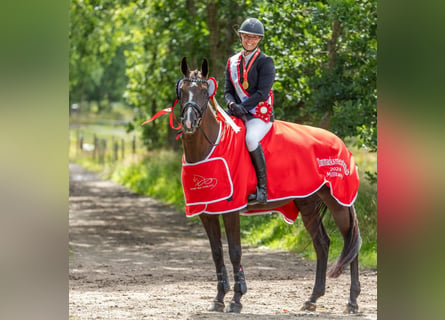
(249, 77)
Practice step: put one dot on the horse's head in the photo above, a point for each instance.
(193, 95)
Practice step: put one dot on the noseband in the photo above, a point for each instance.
(196, 108)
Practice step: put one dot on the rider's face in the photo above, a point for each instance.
(250, 41)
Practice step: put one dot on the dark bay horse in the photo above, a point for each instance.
(200, 132)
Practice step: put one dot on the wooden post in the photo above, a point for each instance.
(96, 147)
(77, 141)
(116, 149)
(103, 148)
(80, 141)
(122, 149)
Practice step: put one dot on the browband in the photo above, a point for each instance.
(213, 85)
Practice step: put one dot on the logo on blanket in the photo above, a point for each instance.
(336, 166)
(203, 183)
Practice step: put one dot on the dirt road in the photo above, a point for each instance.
(132, 257)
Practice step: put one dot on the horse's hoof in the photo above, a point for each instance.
(216, 306)
(309, 306)
(234, 307)
(351, 308)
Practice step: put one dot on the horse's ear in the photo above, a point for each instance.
(205, 68)
(184, 67)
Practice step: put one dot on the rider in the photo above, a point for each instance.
(249, 77)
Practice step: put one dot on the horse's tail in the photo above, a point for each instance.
(351, 247)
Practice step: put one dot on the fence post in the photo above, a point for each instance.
(99, 151)
(116, 149)
(80, 140)
(96, 147)
(122, 149)
(103, 147)
(77, 142)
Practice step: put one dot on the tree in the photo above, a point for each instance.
(96, 61)
(162, 32)
(325, 53)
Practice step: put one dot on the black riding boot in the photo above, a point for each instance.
(259, 163)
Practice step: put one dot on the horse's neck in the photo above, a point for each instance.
(196, 146)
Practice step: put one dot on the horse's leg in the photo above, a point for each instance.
(346, 220)
(352, 306)
(212, 227)
(232, 227)
(310, 213)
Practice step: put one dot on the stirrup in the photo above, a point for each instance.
(260, 197)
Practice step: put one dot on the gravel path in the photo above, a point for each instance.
(132, 257)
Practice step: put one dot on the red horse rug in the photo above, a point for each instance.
(300, 160)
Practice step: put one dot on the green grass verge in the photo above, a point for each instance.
(157, 175)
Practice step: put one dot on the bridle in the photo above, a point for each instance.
(196, 108)
(192, 104)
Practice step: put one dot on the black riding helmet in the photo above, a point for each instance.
(252, 26)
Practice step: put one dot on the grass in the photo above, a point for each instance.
(156, 175)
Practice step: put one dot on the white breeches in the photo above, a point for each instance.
(256, 129)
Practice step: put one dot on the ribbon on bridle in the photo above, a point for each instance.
(164, 111)
(220, 111)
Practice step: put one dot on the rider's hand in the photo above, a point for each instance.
(238, 110)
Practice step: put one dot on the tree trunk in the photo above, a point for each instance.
(332, 43)
(221, 37)
(325, 121)
(214, 36)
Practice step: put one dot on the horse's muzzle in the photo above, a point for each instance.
(190, 117)
(187, 126)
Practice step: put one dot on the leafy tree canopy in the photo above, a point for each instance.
(325, 53)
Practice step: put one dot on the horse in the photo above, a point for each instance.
(200, 130)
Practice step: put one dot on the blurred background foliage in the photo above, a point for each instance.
(124, 65)
(325, 53)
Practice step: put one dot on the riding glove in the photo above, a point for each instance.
(238, 110)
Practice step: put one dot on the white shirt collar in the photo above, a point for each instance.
(247, 58)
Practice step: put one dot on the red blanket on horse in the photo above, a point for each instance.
(300, 160)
